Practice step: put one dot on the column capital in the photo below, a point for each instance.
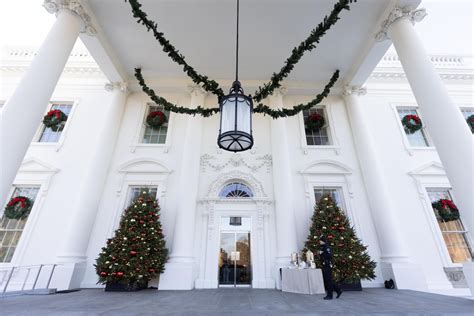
(121, 86)
(276, 98)
(196, 91)
(354, 90)
(75, 7)
(397, 14)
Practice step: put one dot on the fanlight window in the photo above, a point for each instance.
(236, 190)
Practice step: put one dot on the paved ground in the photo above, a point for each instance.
(234, 302)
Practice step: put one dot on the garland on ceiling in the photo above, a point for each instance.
(262, 92)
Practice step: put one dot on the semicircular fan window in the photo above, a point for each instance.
(236, 190)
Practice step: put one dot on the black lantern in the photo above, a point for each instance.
(235, 133)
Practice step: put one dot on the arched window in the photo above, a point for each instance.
(236, 190)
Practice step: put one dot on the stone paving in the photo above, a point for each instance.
(234, 302)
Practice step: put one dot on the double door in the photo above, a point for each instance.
(234, 259)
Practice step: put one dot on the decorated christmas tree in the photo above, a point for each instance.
(351, 261)
(137, 253)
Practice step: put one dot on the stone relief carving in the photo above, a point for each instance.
(235, 161)
(248, 179)
(55, 6)
(397, 14)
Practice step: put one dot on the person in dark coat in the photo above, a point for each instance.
(325, 254)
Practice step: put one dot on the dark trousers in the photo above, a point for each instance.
(329, 284)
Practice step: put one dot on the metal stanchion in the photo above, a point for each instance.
(37, 276)
(8, 280)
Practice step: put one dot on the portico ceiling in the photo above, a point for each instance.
(204, 31)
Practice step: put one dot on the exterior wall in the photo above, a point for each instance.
(59, 169)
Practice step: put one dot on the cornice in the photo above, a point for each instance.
(75, 7)
(397, 14)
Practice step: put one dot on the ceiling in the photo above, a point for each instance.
(204, 31)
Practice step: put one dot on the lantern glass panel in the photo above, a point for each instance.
(228, 115)
(243, 116)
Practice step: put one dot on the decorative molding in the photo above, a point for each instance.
(236, 161)
(354, 90)
(74, 6)
(196, 90)
(122, 86)
(397, 14)
(248, 179)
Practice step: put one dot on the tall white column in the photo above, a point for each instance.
(180, 270)
(24, 110)
(394, 258)
(72, 252)
(442, 118)
(282, 186)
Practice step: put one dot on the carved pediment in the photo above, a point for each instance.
(35, 165)
(433, 168)
(326, 167)
(144, 166)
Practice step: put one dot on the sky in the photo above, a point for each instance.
(448, 28)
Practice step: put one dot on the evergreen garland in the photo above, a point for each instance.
(260, 108)
(207, 84)
(298, 52)
(470, 122)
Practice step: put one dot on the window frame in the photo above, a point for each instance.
(408, 147)
(139, 130)
(446, 257)
(59, 144)
(332, 137)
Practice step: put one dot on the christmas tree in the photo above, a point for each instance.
(138, 252)
(351, 261)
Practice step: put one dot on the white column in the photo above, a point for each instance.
(73, 250)
(24, 110)
(394, 255)
(180, 270)
(282, 186)
(442, 118)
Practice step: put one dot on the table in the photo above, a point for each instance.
(302, 281)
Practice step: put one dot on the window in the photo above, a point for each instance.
(11, 229)
(321, 137)
(335, 193)
(466, 113)
(153, 135)
(236, 190)
(454, 234)
(418, 138)
(135, 192)
(47, 134)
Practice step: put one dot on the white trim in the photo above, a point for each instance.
(59, 144)
(139, 130)
(408, 147)
(333, 140)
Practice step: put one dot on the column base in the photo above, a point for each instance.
(178, 276)
(407, 276)
(68, 276)
(468, 270)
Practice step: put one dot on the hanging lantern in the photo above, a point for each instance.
(235, 133)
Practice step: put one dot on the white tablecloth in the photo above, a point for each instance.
(302, 281)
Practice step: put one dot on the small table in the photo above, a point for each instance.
(302, 281)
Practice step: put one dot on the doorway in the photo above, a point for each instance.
(235, 269)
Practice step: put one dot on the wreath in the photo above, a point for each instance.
(447, 210)
(18, 208)
(412, 123)
(314, 122)
(155, 119)
(54, 119)
(470, 122)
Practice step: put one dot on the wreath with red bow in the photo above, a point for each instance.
(314, 122)
(470, 122)
(18, 208)
(155, 119)
(412, 123)
(54, 119)
(447, 210)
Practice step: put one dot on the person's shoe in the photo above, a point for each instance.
(339, 294)
(327, 298)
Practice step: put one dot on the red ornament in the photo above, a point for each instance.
(103, 274)
(133, 253)
(119, 273)
(330, 236)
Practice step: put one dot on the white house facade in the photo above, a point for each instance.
(82, 177)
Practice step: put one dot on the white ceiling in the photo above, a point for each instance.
(204, 31)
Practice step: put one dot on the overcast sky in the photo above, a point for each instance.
(448, 28)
